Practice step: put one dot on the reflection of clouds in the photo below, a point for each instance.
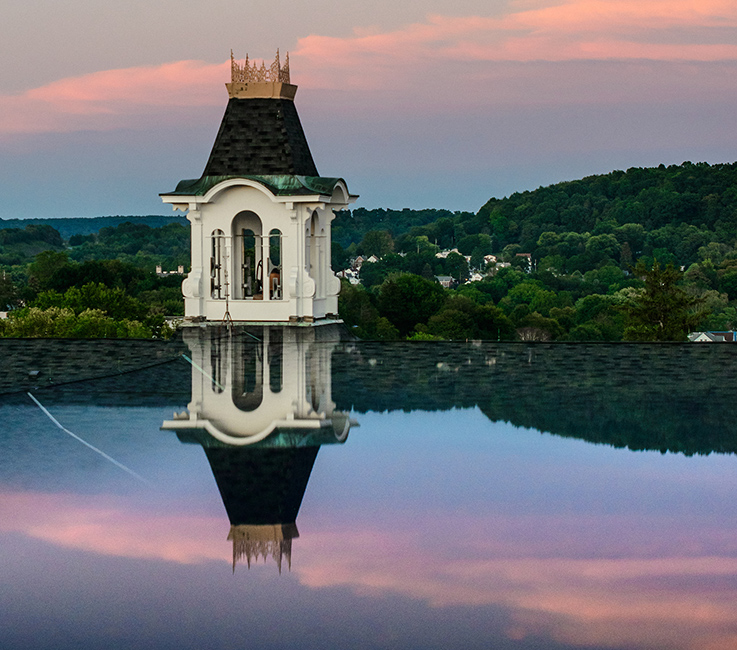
(114, 527)
(675, 602)
(650, 594)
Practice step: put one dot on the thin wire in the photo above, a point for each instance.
(87, 444)
(212, 379)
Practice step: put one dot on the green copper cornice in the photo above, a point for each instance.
(278, 184)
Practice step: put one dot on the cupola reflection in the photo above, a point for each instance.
(261, 407)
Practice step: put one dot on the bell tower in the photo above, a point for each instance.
(260, 214)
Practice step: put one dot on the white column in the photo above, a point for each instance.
(199, 274)
(266, 288)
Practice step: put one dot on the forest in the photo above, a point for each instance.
(641, 254)
(94, 285)
(576, 261)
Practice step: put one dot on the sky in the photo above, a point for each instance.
(417, 104)
(553, 540)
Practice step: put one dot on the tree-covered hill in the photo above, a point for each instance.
(137, 243)
(69, 226)
(351, 226)
(100, 284)
(681, 214)
(18, 245)
(572, 248)
(663, 211)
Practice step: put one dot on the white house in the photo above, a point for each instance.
(260, 213)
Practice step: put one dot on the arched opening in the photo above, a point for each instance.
(312, 252)
(217, 261)
(276, 360)
(217, 365)
(313, 386)
(248, 262)
(322, 264)
(248, 373)
(275, 266)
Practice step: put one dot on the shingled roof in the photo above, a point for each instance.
(262, 486)
(260, 136)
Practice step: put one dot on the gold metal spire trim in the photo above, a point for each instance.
(251, 73)
(254, 542)
(250, 81)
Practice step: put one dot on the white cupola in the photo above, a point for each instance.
(260, 213)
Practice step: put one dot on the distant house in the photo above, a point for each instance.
(161, 274)
(712, 337)
(350, 275)
(445, 281)
(528, 258)
(444, 254)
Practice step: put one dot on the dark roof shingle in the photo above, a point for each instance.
(260, 136)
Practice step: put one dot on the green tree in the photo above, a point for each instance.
(46, 267)
(376, 242)
(452, 324)
(407, 300)
(115, 302)
(8, 292)
(728, 283)
(339, 259)
(663, 311)
(58, 322)
(357, 310)
(457, 266)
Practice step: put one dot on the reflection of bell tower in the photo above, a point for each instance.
(257, 381)
(262, 491)
(261, 408)
(260, 213)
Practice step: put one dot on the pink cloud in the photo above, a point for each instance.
(455, 55)
(112, 99)
(659, 30)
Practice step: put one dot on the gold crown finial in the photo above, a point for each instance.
(250, 73)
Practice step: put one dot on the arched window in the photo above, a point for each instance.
(275, 268)
(311, 243)
(322, 264)
(248, 373)
(248, 257)
(217, 365)
(276, 359)
(217, 260)
(252, 270)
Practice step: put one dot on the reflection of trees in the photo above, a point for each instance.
(667, 397)
(675, 397)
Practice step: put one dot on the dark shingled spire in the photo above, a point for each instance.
(260, 136)
(262, 486)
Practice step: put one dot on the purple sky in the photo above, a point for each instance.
(104, 105)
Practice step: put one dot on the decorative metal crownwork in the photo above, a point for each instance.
(251, 73)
